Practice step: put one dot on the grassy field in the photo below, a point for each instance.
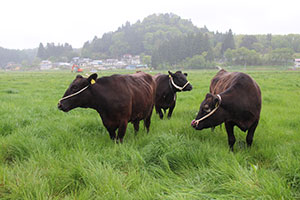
(48, 154)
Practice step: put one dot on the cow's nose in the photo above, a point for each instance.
(59, 106)
(193, 123)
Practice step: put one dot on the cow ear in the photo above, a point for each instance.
(185, 74)
(216, 100)
(170, 73)
(78, 76)
(92, 78)
(208, 95)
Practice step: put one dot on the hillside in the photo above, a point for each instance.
(168, 41)
(140, 37)
(16, 56)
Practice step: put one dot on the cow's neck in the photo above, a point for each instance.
(95, 99)
(172, 88)
(227, 105)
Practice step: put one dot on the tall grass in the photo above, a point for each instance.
(48, 154)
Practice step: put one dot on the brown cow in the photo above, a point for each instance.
(166, 88)
(118, 99)
(235, 99)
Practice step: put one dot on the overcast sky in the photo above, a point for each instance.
(26, 23)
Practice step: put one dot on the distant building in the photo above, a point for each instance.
(13, 66)
(297, 63)
(136, 60)
(131, 67)
(96, 62)
(45, 65)
(111, 61)
(127, 56)
(127, 61)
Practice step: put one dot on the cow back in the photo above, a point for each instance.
(244, 92)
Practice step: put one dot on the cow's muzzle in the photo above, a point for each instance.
(61, 107)
(193, 123)
(189, 87)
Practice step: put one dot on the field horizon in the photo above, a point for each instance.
(48, 154)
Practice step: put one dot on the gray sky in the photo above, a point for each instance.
(26, 23)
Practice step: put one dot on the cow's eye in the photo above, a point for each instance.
(74, 87)
(206, 108)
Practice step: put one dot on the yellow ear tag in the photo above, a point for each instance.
(93, 81)
(169, 75)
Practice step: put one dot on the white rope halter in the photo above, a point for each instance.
(176, 86)
(71, 95)
(209, 114)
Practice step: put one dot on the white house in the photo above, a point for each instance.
(297, 63)
(45, 65)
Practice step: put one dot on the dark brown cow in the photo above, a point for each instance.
(235, 99)
(166, 88)
(118, 99)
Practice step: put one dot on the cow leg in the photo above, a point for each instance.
(122, 130)
(147, 122)
(229, 129)
(250, 134)
(136, 126)
(112, 133)
(158, 110)
(171, 110)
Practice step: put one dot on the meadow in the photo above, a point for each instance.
(48, 154)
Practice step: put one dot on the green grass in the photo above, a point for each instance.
(48, 154)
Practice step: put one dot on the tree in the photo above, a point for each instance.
(142, 37)
(196, 62)
(146, 59)
(228, 42)
(248, 41)
(176, 50)
(258, 47)
(229, 56)
(281, 56)
(42, 53)
(217, 51)
(242, 56)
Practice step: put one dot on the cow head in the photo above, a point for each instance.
(179, 81)
(77, 95)
(210, 104)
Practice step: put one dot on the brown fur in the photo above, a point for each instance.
(165, 97)
(118, 99)
(240, 104)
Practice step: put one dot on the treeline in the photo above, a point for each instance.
(264, 50)
(172, 42)
(178, 51)
(17, 56)
(31, 58)
(55, 53)
(141, 37)
(211, 49)
(168, 41)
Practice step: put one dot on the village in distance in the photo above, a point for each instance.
(77, 64)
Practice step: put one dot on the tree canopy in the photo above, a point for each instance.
(167, 40)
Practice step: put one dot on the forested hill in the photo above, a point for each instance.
(25, 57)
(168, 41)
(140, 37)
